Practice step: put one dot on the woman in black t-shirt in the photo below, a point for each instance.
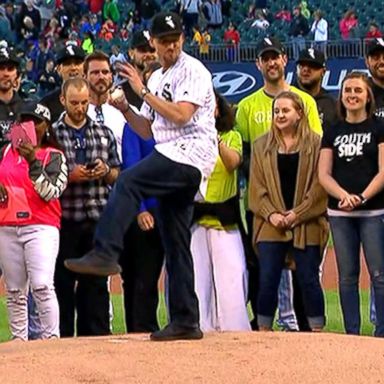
(351, 169)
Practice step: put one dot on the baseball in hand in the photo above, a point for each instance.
(117, 95)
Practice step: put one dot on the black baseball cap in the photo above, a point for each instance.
(39, 111)
(269, 44)
(8, 56)
(140, 39)
(312, 56)
(375, 46)
(166, 24)
(70, 51)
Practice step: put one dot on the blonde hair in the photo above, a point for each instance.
(304, 136)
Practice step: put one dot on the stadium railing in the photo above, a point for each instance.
(353, 48)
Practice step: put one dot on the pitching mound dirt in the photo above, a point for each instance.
(218, 358)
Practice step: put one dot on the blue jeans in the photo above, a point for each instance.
(298, 44)
(348, 233)
(286, 318)
(272, 262)
(232, 55)
(321, 46)
(175, 186)
(34, 323)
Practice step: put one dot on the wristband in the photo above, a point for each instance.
(363, 199)
(144, 92)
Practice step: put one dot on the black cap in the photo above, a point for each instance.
(140, 39)
(70, 51)
(36, 110)
(165, 24)
(8, 56)
(312, 56)
(375, 46)
(269, 44)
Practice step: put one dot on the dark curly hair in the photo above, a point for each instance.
(226, 118)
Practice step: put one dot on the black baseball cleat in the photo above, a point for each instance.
(174, 332)
(93, 263)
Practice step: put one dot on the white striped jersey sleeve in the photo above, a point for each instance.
(50, 181)
(153, 83)
(192, 83)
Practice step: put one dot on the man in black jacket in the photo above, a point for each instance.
(10, 101)
(311, 68)
(140, 54)
(374, 61)
(69, 64)
(148, 9)
(298, 29)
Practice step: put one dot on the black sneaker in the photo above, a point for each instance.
(93, 263)
(175, 332)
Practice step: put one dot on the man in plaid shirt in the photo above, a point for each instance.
(93, 162)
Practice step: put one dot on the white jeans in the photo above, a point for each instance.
(221, 279)
(28, 257)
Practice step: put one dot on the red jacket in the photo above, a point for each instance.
(95, 6)
(373, 35)
(345, 27)
(232, 37)
(25, 206)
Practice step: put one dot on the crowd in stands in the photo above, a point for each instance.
(39, 28)
(311, 165)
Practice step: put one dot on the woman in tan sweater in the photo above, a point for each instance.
(289, 207)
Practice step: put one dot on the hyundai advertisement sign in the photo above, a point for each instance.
(235, 81)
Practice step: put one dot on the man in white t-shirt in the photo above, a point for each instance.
(98, 72)
(178, 111)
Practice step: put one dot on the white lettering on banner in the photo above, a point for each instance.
(231, 83)
(352, 145)
(334, 87)
(343, 73)
(289, 77)
(239, 84)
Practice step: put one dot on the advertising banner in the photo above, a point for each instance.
(237, 80)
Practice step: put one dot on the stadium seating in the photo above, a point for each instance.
(367, 11)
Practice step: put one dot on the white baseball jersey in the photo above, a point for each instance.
(114, 120)
(195, 143)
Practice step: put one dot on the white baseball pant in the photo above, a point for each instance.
(220, 279)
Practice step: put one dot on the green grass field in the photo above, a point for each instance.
(334, 320)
